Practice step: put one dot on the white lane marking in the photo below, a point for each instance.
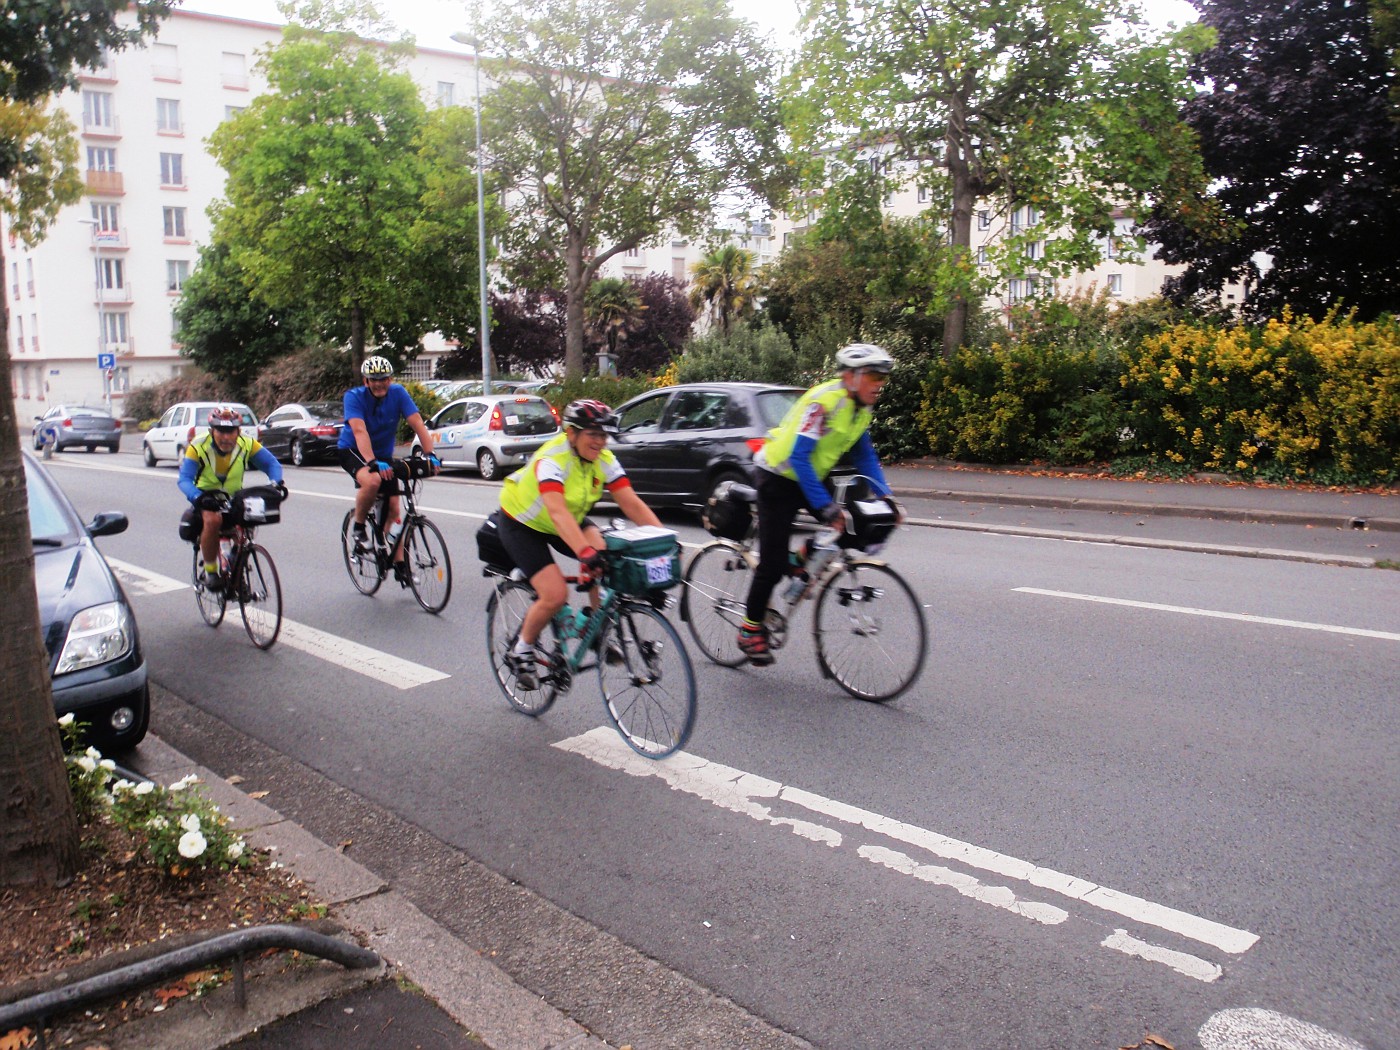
(735, 789)
(967, 885)
(1361, 632)
(352, 656)
(1186, 965)
(1249, 1028)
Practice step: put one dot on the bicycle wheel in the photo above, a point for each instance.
(259, 595)
(716, 590)
(869, 631)
(429, 567)
(211, 603)
(364, 569)
(505, 612)
(649, 693)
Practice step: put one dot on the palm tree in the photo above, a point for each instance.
(610, 308)
(725, 284)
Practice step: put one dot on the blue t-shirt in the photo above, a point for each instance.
(381, 416)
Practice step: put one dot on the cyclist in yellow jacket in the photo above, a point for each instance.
(544, 507)
(825, 423)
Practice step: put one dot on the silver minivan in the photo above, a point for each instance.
(182, 423)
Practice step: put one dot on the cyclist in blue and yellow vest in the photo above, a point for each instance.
(544, 507)
(212, 471)
(826, 422)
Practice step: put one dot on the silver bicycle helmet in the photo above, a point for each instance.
(866, 357)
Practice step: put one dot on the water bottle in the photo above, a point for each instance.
(392, 536)
(823, 548)
(225, 553)
(798, 583)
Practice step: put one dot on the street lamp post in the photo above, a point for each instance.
(94, 225)
(463, 38)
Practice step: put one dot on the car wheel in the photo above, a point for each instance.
(38, 442)
(298, 456)
(147, 456)
(89, 448)
(723, 477)
(114, 447)
(486, 463)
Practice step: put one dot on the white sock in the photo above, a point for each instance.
(522, 647)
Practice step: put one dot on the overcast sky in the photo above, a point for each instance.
(433, 22)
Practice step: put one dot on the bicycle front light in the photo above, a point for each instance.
(97, 635)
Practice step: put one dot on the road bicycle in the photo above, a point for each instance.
(867, 624)
(424, 549)
(644, 671)
(246, 570)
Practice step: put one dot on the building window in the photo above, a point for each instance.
(34, 332)
(14, 278)
(114, 329)
(106, 216)
(233, 70)
(984, 219)
(1020, 289)
(172, 169)
(1035, 250)
(111, 274)
(177, 272)
(97, 112)
(19, 334)
(982, 259)
(446, 93)
(232, 111)
(29, 276)
(165, 62)
(175, 224)
(101, 158)
(168, 116)
(634, 253)
(1115, 284)
(923, 194)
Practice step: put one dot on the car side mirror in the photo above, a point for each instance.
(108, 523)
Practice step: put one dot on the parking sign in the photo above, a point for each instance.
(106, 361)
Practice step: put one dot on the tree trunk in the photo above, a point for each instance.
(38, 828)
(955, 322)
(357, 335)
(575, 286)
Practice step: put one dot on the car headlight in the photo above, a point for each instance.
(97, 635)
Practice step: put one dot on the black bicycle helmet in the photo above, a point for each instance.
(588, 414)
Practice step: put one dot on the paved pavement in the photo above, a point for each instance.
(466, 1001)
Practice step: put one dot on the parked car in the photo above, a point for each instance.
(181, 424)
(679, 443)
(492, 432)
(78, 425)
(303, 432)
(94, 649)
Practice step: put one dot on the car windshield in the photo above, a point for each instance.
(773, 405)
(326, 409)
(201, 416)
(47, 521)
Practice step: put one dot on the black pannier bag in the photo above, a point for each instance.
(729, 512)
(191, 524)
(255, 505)
(488, 544)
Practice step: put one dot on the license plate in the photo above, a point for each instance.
(659, 569)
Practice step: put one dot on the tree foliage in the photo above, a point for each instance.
(1068, 106)
(42, 45)
(724, 285)
(661, 330)
(618, 120)
(326, 180)
(1297, 135)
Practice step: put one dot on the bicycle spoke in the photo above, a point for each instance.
(716, 590)
(429, 566)
(260, 596)
(363, 568)
(211, 603)
(505, 612)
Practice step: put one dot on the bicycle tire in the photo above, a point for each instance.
(259, 595)
(505, 612)
(869, 631)
(364, 569)
(212, 604)
(429, 565)
(649, 694)
(712, 603)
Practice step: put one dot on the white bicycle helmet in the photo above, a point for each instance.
(866, 357)
(377, 367)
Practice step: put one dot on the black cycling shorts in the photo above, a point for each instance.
(529, 548)
(352, 462)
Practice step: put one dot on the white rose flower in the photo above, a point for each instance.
(86, 764)
(107, 764)
(190, 822)
(120, 787)
(66, 720)
(93, 753)
(191, 845)
(157, 823)
(235, 850)
(184, 782)
(145, 787)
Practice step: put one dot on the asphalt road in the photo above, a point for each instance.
(1136, 790)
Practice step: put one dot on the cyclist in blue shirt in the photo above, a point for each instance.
(372, 414)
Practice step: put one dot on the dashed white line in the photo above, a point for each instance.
(1186, 965)
(1271, 621)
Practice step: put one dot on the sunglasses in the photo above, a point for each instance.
(226, 430)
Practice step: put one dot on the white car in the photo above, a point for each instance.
(182, 423)
(491, 432)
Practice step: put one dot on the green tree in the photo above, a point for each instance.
(325, 183)
(724, 284)
(614, 121)
(228, 330)
(610, 309)
(1069, 107)
(42, 45)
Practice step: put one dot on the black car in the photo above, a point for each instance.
(303, 433)
(78, 426)
(89, 629)
(679, 443)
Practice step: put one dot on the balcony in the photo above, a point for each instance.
(235, 81)
(112, 240)
(111, 129)
(105, 183)
(113, 295)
